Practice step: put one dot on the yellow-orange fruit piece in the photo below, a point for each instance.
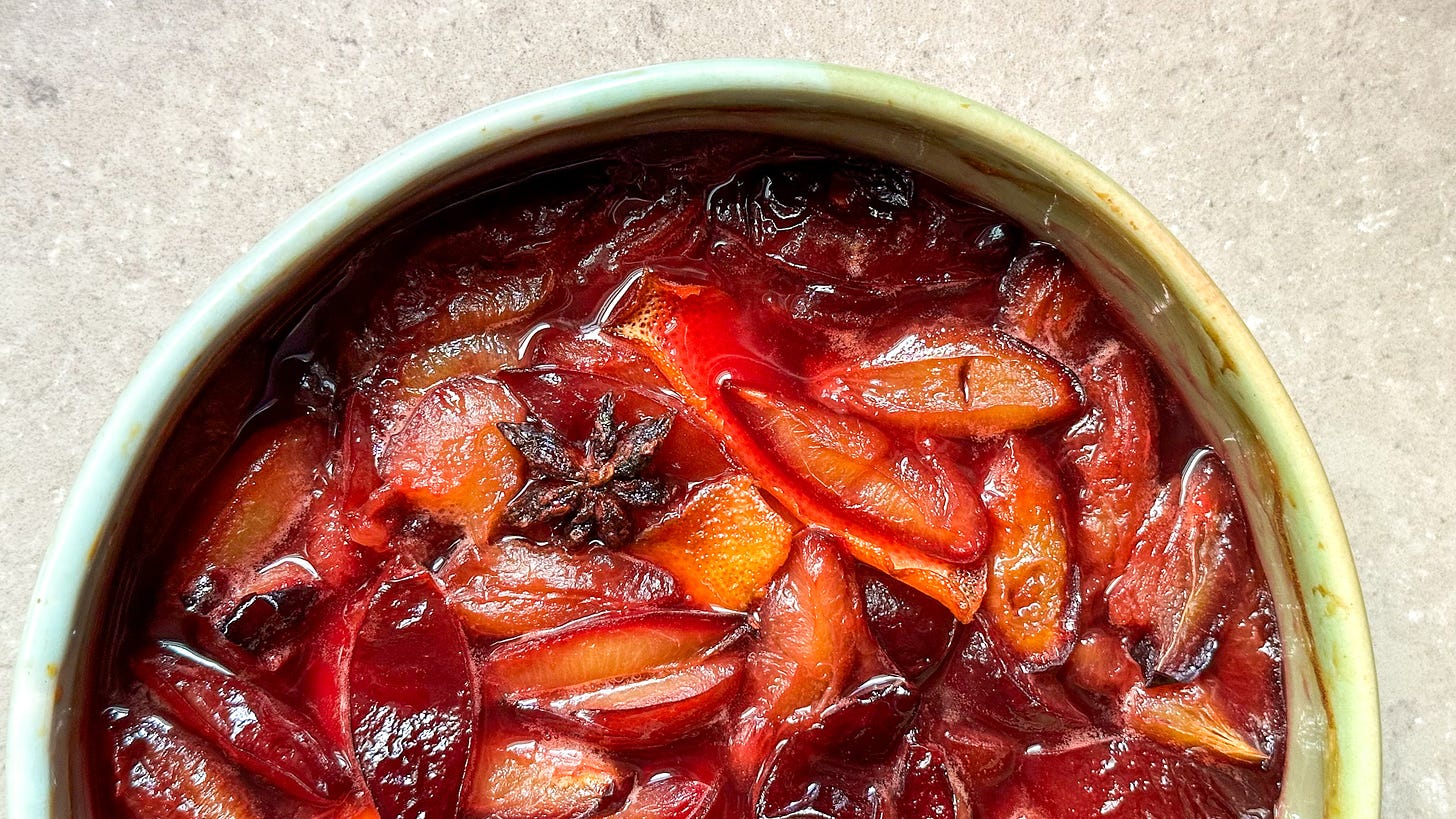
(531, 778)
(960, 381)
(1188, 717)
(1030, 598)
(473, 355)
(450, 458)
(260, 494)
(723, 547)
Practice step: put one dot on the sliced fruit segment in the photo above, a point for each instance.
(257, 731)
(913, 630)
(592, 352)
(1100, 665)
(1045, 304)
(1111, 456)
(958, 380)
(323, 670)
(929, 788)
(666, 705)
(511, 588)
(724, 545)
(480, 355)
(1190, 557)
(1188, 717)
(904, 504)
(812, 634)
(412, 699)
(603, 649)
(846, 461)
(161, 771)
(442, 299)
(536, 778)
(451, 460)
(1031, 598)
(250, 506)
(669, 796)
(983, 686)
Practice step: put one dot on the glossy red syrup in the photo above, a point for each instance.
(702, 476)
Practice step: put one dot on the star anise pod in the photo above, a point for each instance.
(589, 487)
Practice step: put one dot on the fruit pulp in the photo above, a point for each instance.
(700, 476)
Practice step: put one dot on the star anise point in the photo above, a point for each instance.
(588, 488)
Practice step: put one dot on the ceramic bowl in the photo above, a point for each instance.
(1333, 766)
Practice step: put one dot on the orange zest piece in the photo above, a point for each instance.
(724, 546)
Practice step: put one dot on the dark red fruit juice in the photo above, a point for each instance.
(703, 476)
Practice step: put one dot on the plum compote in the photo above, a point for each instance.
(701, 476)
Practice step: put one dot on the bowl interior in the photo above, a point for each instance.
(1159, 290)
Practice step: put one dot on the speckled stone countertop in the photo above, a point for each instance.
(1303, 152)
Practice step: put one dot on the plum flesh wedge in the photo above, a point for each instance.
(411, 699)
(161, 771)
(1190, 556)
(1031, 595)
(957, 381)
(256, 730)
(633, 680)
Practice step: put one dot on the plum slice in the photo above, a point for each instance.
(929, 787)
(952, 379)
(914, 631)
(904, 512)
(257, 731)
(510, 588)
(451, 460)
(1190, 557)
(1187, 716)
(247, 513)
(525, 777)
(812, 637)
(652, 710)
(724, 544)
(635, 680)
(1031, 596)
(162, 771)
(983, 686)
(844, 460)
(669, 796)
(1111, 455)
(411, 698)
(259, 494)
(1045, 304)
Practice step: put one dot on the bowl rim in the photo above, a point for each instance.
(1343, 653)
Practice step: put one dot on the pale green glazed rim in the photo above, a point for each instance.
(913, 123)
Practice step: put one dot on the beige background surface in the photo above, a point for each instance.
(1303, 151)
